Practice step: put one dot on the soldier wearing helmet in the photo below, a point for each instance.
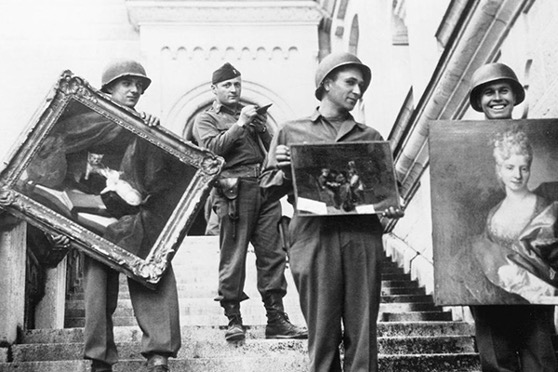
(126, 80)
(155, 310)
(503, 83)
(509, 337)
(124, 68)
(334, 260)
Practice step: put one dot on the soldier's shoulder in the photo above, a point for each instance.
(370, 131)
(297, 122)
(206, 114)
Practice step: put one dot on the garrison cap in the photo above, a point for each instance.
(225, 72)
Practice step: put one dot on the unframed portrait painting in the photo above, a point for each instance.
(92, 170)
(494, 185)
(343, 178)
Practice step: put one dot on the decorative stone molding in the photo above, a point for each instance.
(229, 53)
(450, 21)
(476, 42)
(143, 12)
(190, 103)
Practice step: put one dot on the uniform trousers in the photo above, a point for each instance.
(156, 312)
(515, 338)
(258, 223)
(335, 262)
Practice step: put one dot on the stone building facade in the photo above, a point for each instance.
(422, 55)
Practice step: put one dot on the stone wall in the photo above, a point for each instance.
(40, 39)
(530, 49)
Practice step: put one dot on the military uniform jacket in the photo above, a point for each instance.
(216, 130)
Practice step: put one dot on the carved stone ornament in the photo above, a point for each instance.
(150, 12)
(124, 193)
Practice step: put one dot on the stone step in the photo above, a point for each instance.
(191, 320)
(414, 334)
(215, 317)
(134, 334)
(387, 363)
(416, 316)
(238, 364)
(220, 320)
(399, 284)
(392, 291)
(391, 269)
(192, 349)
(198, 290)
(191, 306)
(467, 362)
(397, 275)
(199, 306)
(195, 270)
(250, 348)
(406, 298)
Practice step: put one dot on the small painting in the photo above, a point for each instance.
(343, 178)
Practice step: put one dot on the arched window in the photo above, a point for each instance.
(342, 9)
(353, 38)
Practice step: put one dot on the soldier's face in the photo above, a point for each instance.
(228, 92)
(497, 100)
(127, 91)
(345, 89)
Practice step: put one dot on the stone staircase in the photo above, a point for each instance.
(414, 334)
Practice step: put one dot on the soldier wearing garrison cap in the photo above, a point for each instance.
(240, 135)
(335, 260)
(225, 72)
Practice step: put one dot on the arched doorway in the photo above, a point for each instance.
(183, 113)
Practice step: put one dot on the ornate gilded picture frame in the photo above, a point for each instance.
(343, 178)
(123, 192)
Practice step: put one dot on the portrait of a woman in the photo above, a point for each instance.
(517, 248)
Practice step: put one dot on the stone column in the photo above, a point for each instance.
(49, 312)
(12, 282)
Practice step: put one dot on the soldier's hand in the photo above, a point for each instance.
(150, 120)
(59, 241)
(283, 159)
(258, 123)
(392, 212)
(246, 115)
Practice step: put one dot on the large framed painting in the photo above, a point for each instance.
(494, 188)
(123, 192)
(343, 178)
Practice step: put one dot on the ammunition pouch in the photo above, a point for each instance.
(229, 187)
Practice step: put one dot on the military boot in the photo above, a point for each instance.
(279, 326)
(235, 331)
(157, 363)
(99, 366)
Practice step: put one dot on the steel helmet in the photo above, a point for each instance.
(334, 61)
(490, 73)
(121, 68)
